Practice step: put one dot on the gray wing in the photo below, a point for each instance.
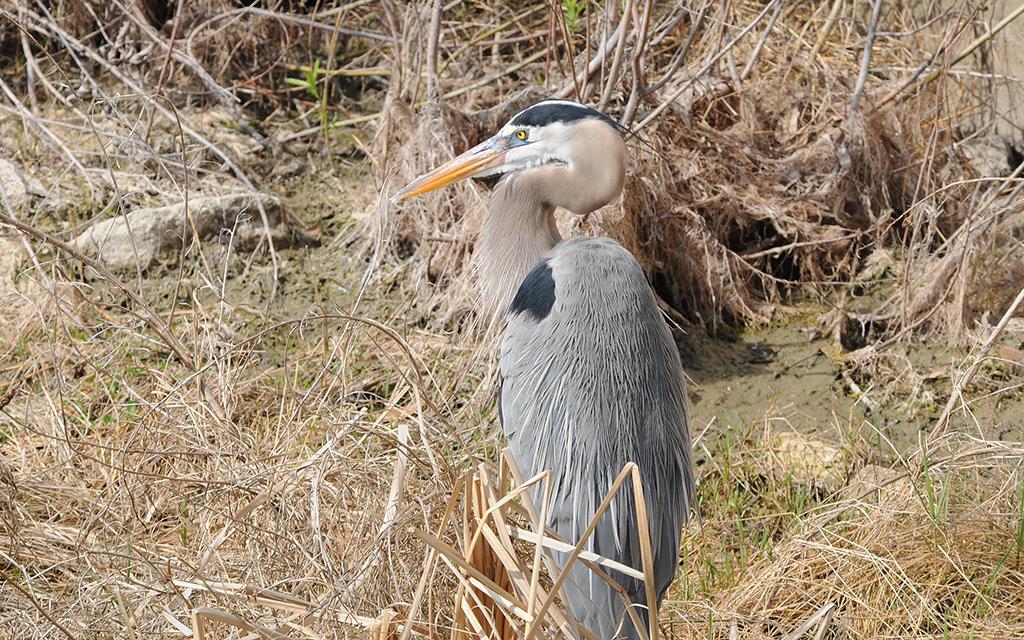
(591, 380)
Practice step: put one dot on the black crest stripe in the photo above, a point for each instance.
(550, 112)
(536, 295)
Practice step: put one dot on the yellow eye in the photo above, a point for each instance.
(521, 134)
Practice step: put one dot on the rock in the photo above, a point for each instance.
(806, 460)
(12, 256)
(12, 185)
(988, 157)
(158, 231)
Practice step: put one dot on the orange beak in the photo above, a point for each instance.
(483, 157)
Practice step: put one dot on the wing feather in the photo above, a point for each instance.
(589, 385)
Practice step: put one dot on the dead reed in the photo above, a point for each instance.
(300, 443)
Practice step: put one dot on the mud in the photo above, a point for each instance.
(743, 382)
(787, 376)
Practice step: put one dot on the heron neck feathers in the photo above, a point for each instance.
(520, 226)
(518, 231)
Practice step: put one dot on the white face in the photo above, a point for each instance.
(542, 145)
(533, 146)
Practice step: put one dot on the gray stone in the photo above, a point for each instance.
(988, 157)
(12, 185)
(12, 256)
(142, 236)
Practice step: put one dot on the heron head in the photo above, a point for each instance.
(577, 152)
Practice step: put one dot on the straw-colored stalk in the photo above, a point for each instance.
(507, 590)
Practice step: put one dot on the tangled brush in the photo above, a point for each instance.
(749, 184)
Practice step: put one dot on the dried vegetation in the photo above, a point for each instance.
(276, 444)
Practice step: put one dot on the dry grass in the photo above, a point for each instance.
(275, 445)
(929, 548)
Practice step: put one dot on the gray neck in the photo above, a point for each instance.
(518, 231)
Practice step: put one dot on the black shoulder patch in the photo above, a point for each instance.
(549, 112)
(536, 295)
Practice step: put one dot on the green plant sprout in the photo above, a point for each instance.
(311, 83)
(573, 9)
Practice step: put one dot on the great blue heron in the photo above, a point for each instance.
(591, 378)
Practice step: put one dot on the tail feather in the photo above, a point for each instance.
(600, 608)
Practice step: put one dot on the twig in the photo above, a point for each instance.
(166, 66)
(973, 46)
(431, 561)
(565, 547)
(795, 245)
(613, 72)
(304, 21)
(826, 622)
(201, 614)
(646, 553)
(680, 55)
(494, 76)
(149, 316)
(478, 39)
(760, 43)
(31, 597)
(594, 65)
(556, 13)
(534, 627)
(333, 125)
(825, 610)
(42, 78)
(865, 63)
(48, 137)
(958, 388)
(432, 41)
(639, 47)
(30, 75)
(665, 28)
(704, 69)
(830, 22)
(220, 93)
(7, 205)
(862, 396)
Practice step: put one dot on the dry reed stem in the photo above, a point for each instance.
(496, 577)
(956, 395)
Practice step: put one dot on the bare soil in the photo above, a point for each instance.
(789, 371)
(741, 379)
